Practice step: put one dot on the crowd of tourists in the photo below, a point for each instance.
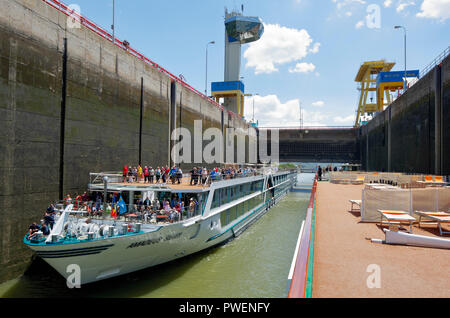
(148, 174)
(174, 175)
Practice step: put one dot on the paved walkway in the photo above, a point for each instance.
(342, 254)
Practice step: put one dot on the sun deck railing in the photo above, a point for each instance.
(84, 209)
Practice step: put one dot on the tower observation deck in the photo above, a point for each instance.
(239, 30)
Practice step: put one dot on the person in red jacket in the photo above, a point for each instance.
(124, 173)
(146, 175)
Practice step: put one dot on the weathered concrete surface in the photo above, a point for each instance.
(407, 137)
(102, 116)
(319, 145)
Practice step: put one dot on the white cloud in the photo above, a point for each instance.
(318, 103)
(344, 3)
(359, 25)
(315, 48)
(347, 8)
(387, 3)
(401, 6)
(278, 45)
(313, 118)
(303, 68)
(435, 9)
(345, 120)
(271, 112)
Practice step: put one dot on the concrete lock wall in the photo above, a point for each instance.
(412, 134)
(319, 145)
(48, 145)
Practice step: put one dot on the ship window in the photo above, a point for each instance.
(223, 218)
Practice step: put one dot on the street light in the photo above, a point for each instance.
(253, 119)
(112, 26)
(206, 77)
(404, 29)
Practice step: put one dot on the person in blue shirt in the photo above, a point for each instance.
(45, 230)
(49, 220)
(32, 230)
(172, 174)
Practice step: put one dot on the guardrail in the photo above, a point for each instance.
(436, 61)
(310, 127)
(299, 284)
(60, 6)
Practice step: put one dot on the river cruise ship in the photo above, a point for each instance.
(104, 246)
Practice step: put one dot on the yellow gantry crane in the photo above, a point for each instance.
(367, 76)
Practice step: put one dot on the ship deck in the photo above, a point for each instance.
(184, 185)
(342, 254)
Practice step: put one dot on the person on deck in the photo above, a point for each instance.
(135, 174)
(163, 175)
(51, 209)
(158, 174)
(32, 230)
(124, 173)
(140, 174)
(204, 176)
(146, 175)
(179, 175)
(191, 208)
(193, 173)
(45, 229)
(172, 174)
(151, 173)
(130, 175)
(49, 220)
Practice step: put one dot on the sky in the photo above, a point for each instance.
(308, 56)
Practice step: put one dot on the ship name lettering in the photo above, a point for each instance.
(154, 241)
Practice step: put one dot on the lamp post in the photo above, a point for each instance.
(404, 29)
(206, 77)
(112, 26)
(253, 119)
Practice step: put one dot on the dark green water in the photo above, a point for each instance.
(256, 264)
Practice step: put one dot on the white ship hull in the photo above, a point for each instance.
(104, 258)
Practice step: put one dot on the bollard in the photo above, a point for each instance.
(137, 228)
(110, 230)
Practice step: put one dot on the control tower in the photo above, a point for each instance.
(238, 30)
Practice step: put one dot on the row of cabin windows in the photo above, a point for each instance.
(229, 194)
(280, 179)
(282, 188)
(228, 216)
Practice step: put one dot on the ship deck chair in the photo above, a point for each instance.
(393, 216)
(428, 180)
(357, 203)
(359, 180)
(439, 181)
(437, 217)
